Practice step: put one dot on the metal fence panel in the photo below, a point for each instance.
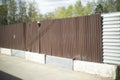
(32, 37)
(111, 38)
(75, 38)
(11, 36)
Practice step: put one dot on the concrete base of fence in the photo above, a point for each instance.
(0, 50)
(58, 61)
(40, 58)
(104, 70)
(18, 53)
(6, 51)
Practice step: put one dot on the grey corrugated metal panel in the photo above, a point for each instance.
(111, 29)
(111, 61)
(111, 40)
(111, 37)
(111, 33)
(111, 19)
(111, 22)
(114, 46)
(111, 47)
(112, 58)
(111, 26)
(111, 44)
(112, 54)
(111, 51)
(113, 14)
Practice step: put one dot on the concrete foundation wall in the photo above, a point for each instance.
(5, 51)
(18, 53)
(0, 50)
(58, 61)
(104, 70)
(40, 58)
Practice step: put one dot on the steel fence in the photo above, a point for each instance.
(76, 38)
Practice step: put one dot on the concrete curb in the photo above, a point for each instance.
(36, 57)
(6, 51)
(18, 53)
(104, 70)
(59, 61)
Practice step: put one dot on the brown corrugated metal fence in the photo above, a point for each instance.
(12, 36)
(32, 37)
(76, 38)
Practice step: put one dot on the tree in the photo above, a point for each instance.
(117, 5)
(78, 9)
(12, 11)
(61, 13)
(93, 6)
(3, 12)
(70, 11)
(111, 5)
(99, 9)
(48, 16)
(107, 5)
(32, 12)
(87, 9)
(22, 9)
(17, 11)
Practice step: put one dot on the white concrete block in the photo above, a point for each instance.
(59, 61)
(36, 57)
(104, 70)
(18, 53)
(6, 51)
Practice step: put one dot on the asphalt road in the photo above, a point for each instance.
(13, 68)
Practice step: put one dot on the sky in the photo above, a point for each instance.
(45, 6)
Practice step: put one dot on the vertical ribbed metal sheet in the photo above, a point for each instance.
(32, 37)
(111, 38)
(75, 38)
(46, 37)
(11, 36)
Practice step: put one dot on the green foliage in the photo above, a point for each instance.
(87, 9)
(106, 5)
(73, 10)
(70, 11)
(3, 12)
(117, 5)
(32, 12)
(12, 12)
(61, 13)
(111, 5)
(49, 16)
(99, 9)
(22, 9)
(78, 9)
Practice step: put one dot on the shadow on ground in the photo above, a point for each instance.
(6, 76)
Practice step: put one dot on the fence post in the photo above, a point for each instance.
(24, 34)
(39, 37)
